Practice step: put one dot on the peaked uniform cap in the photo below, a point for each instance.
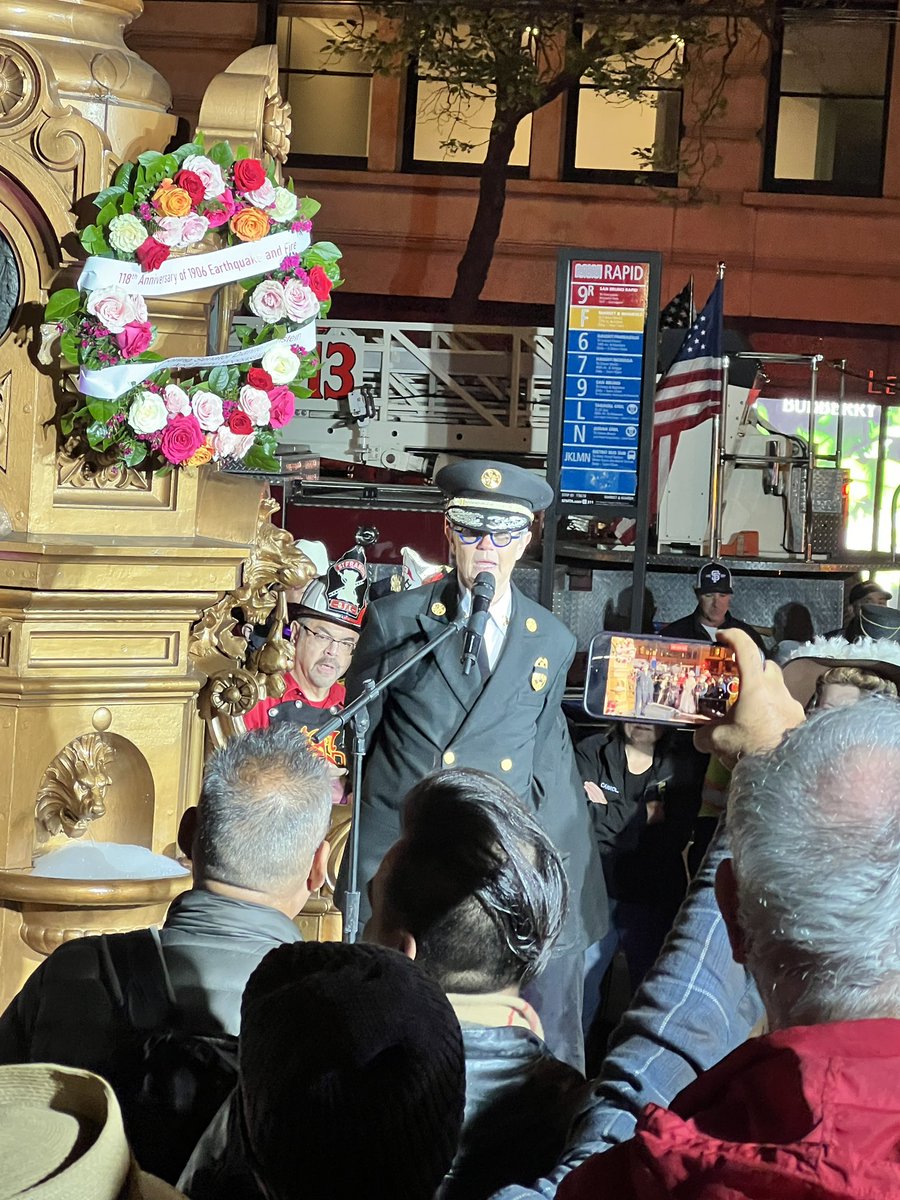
(483, 495)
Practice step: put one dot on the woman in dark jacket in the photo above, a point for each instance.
(643, 789)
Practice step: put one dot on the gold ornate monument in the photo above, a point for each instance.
(104, 570)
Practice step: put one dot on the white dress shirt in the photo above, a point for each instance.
(498, 622)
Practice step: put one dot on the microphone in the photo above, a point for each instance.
(482, 595)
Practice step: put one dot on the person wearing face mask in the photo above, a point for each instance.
(714, 590)
(503, 717)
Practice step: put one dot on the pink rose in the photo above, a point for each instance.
(207, 408)
(282, 407)
(268, 301)
(176, 400)
(263, 196)
(226, 444)
(170, 230)
(134, 338)
(255, 403)
(219, 216)
(194, 229)
(115, 309)
(180, 438)
(299, 301)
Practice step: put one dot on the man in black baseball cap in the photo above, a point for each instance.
(503, 717)
(714, 590)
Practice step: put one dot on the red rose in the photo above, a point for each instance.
(240, 423)
(249, 174)
(151, 254)
(192, 184)
(258, 378)
(282, 408)
(180, 438)
(319, 284)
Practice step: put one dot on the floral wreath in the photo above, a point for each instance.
(138, 408)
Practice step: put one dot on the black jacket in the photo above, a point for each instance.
(512, 726)
(690, 627)
(643, 863)
(520, 1105)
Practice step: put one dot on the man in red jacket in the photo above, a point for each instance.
(811, 899)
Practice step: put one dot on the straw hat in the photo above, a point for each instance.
(61, 1138)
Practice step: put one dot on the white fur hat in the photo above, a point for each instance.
(808, 662)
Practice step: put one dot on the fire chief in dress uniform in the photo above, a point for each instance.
(503, 718)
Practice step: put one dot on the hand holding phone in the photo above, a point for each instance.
(765, 712)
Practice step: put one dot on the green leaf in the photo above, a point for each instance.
(101, 410)
(149, 356)
(109, 193)
(307, 207)
(70, 346)
(136, 454)
(321, 254)
(234, 377)
(300, 390)
(249, 284)
(186, 151)
(242, 152)
(258, 458)
(149, 157)
(123, 175)
(128, 203)
(67, 423)
(171, 163)
(62, 304)
(106, 213)
(218, 379)
(98, 435)
(222, 154)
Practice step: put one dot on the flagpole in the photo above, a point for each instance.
(692, 312)
(715, 466)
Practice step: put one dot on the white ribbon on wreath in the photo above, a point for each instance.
(188, 272)
(109, 383)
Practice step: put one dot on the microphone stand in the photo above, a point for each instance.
(358, 712)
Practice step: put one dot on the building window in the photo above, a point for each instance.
(446, 132)
(330, 96)
(604, 131)
(828, 107)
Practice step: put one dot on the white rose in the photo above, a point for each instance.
(226, 444)
(147, 413)
(267, 301)
(255, 403)
(176, 400)
(263, 196)
(126, 233)
(207, 408)
(281, 363)
(299, 301)
(194, 229)
(170, 231)
(115, 309)
(209, 172)
(285, 206)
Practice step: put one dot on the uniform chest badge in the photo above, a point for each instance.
(531, 624)
(539, 674)
(438, 609)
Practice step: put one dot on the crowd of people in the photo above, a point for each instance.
(502, 868)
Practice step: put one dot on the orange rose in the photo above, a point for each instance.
(171, 201)
(250, 224)
(201, 456)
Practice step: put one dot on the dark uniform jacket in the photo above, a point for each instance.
(511, 726)
(690, 627)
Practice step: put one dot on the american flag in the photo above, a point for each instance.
(678, 312)
(688, 394)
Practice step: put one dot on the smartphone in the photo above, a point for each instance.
(658, 680)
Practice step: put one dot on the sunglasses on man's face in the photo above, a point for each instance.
(499, 538)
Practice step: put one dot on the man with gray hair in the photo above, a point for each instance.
(257, 846)
(811, 901)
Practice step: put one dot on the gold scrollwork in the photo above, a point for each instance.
(19, 85)
(75, 471)
(73, 790)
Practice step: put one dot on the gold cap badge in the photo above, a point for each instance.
(491, 478)
(438, 609)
